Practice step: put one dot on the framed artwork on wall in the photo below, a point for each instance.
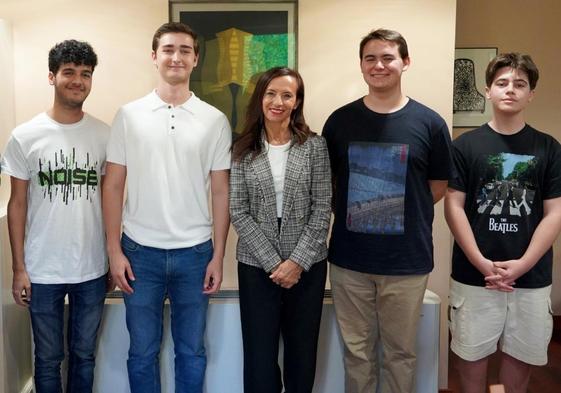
(238, 42)
(470, 107)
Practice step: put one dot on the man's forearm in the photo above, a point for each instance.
(545, 234)
(462, 232)
(221, 219)
(17, 212)
(112, 203)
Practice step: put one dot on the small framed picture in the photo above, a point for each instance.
(471, 108)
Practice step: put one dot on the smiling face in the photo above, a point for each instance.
(175, 58)
(72, 84)
(279, 100)
(510, 91)
(382, 65)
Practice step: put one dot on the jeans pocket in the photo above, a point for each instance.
(203, 248)
(128, 244)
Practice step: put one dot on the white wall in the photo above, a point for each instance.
(15, 355)
(7, 117)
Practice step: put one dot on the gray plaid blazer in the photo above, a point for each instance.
(306, 210)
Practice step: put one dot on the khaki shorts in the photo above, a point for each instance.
(520, 322)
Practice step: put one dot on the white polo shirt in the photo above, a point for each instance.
(169, 153)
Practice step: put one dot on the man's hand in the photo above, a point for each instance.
(213, 277)
(120, 268)
(487, 268)
(286, 274)
(507, 271)
(109, 283)
(21, 288)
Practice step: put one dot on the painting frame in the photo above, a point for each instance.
(469, 86)
(238, 41)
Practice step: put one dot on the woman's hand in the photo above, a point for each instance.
(286, 274)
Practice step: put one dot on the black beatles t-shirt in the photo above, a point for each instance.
(505, 178)
(381, 165)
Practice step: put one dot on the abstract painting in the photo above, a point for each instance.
(238, 42)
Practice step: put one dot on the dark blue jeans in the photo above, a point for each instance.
(85, 301)
(178, 274)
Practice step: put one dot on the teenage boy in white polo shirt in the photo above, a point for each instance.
(55, 162)
(169, 146)
(504, 210)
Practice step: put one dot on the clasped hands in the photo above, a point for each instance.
(286, 274)
(502, 275)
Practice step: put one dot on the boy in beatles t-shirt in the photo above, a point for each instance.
(504, 210)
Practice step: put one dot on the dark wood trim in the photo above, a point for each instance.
(556, 328)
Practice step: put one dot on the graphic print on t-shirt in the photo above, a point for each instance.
(507, 188)
(375, 201)
(64, 176)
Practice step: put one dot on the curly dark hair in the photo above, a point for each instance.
(71, 51)
(250, 140)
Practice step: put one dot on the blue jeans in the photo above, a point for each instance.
(85, 301)
(178, 274)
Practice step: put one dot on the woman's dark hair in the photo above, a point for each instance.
(251, 138)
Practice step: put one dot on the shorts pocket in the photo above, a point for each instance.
(548, 323)
(454, 311)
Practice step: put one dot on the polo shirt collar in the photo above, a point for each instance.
(157, 103)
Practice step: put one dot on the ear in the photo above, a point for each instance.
(487, 92)
(196, 61)
(51, 78)
(531, 95)
(406, 63)
(153, 55)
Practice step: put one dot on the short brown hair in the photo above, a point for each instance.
(174, 27)
(386, 35)
(516, 61)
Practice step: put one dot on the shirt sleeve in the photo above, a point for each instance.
(441, 164)
(552, 188)
(14, 162)
(116, 149)
(460, 181)
(222, 154)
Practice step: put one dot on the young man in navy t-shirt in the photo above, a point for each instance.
(391, 159)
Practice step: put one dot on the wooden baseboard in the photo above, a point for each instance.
(445, 391)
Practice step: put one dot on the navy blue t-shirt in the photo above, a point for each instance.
(381, 165)
(506, 179)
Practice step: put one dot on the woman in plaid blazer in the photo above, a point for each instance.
(280, 206)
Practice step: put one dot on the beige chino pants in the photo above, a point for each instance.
(374, 310)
